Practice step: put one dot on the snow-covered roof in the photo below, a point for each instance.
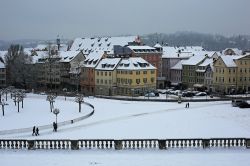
(2, 65)
(108, 64)
(157, 45)
(142, 49)
(3, 53)
(41, 47)
(235, 50)
(181, 52)
(229, 60)
(209, 53)
(67, 56)
(206, 62)
(28, 51)
(92, 59)
(39, 55)
(88, 45)
(194, 60)
(63, 47)
(178, 66)
(134, 63)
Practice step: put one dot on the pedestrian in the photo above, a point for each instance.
(54, 126)
(37, 131)
(34, 131)
(188, 104)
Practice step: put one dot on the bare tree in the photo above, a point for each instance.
(3, 103)
(79, 100)
(51, 99)
(17, 69)
(17, 99)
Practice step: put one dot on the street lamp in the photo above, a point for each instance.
(132, 93)
(65, 92)
(56, 111)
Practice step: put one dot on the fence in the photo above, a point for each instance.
(29, 129)
(126, 144)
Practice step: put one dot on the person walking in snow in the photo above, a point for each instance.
(188, 104)
(37, 131)
(54, 126)
(34, 131)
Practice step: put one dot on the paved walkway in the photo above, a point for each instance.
(50, 126)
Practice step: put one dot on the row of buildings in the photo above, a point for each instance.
(124, 66)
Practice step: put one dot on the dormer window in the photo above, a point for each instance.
(136, 65)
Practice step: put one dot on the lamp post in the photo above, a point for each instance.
(56, 111)
(132, 93)
(65, 92)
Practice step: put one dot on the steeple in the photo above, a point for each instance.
(58, 43)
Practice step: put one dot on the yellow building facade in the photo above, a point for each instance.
(135, 76)
(232, 74)
(105, 76)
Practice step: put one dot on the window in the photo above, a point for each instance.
(105, 73)
(97, 81)
(101, 73)
(106, 82)
(109, 73)
(152, 72)
(130, 81)
(137, 72)
(144, 80)
(138, 81)
(152, 79)
(144, 72)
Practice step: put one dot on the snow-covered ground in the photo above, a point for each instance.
(128, 119)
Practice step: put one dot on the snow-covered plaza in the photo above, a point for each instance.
(114, 119)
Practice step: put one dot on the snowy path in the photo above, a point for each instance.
(111, 120)
(169, 157)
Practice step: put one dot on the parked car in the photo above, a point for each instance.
(236, 102)
(151, 94)
(187, 94)
(244, 104)
(201, 94)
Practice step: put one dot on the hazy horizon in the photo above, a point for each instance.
(45, 19)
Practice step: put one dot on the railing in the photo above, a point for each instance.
(29, 129)
(126, 144)
(153, 99)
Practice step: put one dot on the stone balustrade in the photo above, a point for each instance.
(126, 144)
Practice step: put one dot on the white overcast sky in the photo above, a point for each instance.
(45, 19)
